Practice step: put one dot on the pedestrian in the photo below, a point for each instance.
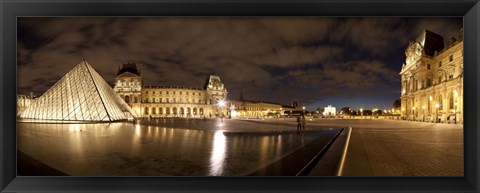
(303, 123)
(299, 124)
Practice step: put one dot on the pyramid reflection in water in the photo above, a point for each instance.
(81, 95)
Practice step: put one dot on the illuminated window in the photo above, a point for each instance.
(146, 110)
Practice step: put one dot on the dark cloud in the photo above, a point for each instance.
(270, 58)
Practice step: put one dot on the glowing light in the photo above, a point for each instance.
(221, 103)
(218, 153)
(437, 105)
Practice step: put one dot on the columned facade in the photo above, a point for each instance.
(171, 101)
(432, 79)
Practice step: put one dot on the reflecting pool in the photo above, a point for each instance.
(132, 149)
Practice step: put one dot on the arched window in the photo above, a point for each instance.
(146, 110)
(440, 102)
(154, 110)
(127, 99)
(135, 99)
(160, 110)
(168, 110)
(451, 102)
(429, 107)
(174, 110)
(201, 111)
(181, 110)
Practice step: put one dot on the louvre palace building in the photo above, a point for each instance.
(170, 101)
(432, 79)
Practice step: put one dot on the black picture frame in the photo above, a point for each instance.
(10, 10)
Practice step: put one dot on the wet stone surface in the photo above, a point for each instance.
(148, 148)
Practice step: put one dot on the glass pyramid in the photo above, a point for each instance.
(81, 95)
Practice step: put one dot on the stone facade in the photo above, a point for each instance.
(257, 109)
(432, 79)
(170, 101)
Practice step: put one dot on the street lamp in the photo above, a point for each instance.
(423, 116)
(455, 93)
(221, 104)
(361, 113)
(455, 111)
(403, 113)
(414, 113)
(437, 106)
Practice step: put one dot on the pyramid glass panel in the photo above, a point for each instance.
(81, 95)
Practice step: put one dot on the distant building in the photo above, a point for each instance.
(170, 101)
(329, 111)
(24, 101)
(295, 105)
(432, 79)
(256, 109)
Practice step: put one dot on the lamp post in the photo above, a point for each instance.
(414, 113)
(437, 106)
(455, 93)
(361, 113)
(221, 104)
(455, 111)
(423, 116)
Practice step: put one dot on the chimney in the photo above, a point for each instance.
(451, 40)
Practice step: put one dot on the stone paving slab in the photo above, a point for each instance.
(398, 148)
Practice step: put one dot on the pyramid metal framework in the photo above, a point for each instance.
(81, 95)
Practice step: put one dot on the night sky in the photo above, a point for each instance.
(317, 61)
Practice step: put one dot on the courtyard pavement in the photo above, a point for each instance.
(381, 147)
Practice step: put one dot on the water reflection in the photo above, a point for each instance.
(217, 160)
(128, 149)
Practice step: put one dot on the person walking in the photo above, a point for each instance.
(299, 124)
(303, 123)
